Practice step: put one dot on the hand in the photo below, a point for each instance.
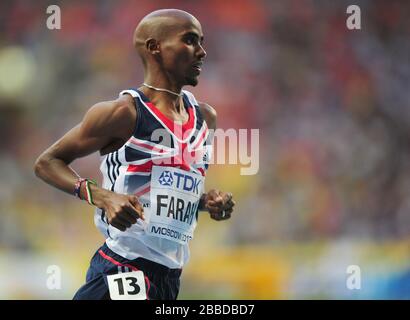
(219, 204)
(122, 210)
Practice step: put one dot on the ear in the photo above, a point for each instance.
(152, 46)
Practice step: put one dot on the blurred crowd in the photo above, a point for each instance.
(332, 106)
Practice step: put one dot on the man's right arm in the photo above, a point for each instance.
(104, 125)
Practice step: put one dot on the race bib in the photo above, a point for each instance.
(174, 198)
(127, 286)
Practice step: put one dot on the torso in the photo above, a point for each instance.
(178, 118)
(127, 169)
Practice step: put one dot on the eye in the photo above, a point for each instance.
(190, 40)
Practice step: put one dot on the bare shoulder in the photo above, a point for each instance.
(118, 109)
(208, 113)
(115, 116)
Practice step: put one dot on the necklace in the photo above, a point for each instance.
(180, 95)
(161, 89)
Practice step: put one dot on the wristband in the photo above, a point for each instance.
(89, 196)
(77, 188)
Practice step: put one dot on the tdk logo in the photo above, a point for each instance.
(166, 179)
(182, 181)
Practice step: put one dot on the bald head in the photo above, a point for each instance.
(157, 26)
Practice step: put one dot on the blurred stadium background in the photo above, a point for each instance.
(332, 106)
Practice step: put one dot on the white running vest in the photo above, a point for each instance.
(164, 164)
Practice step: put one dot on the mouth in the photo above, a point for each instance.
(197, 67)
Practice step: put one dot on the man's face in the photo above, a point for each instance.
(182, 53)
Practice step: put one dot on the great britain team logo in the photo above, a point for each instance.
(166, 179)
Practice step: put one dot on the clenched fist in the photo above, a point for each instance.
(219, 204)
(122, 210)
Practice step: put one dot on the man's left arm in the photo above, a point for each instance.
(218, 203)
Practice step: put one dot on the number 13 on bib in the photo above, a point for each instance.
(127, 286)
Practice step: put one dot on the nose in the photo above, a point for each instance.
(202, 52)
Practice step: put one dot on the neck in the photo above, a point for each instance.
(163, 95)
(163, 82)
